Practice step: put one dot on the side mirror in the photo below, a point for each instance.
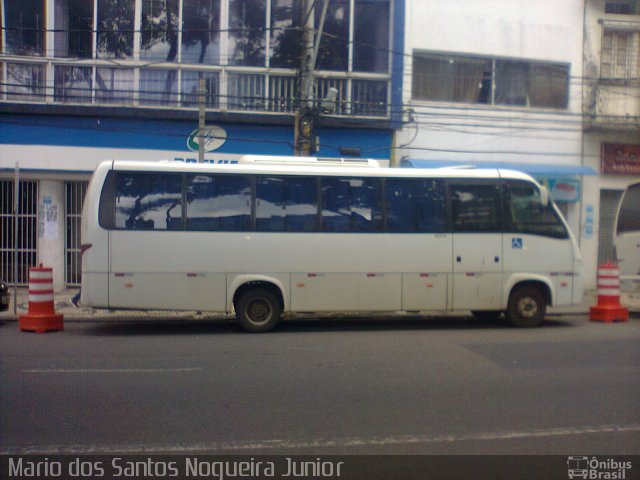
(545, 196)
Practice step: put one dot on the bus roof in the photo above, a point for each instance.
(252, 168)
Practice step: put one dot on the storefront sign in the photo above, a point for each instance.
(618, 159)
(214, 138)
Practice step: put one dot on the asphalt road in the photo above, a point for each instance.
(335, 386)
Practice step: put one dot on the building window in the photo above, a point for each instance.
(114, 85)
(286, 34)
(115, 28)
(25, 81)
(73, 28)
(371, 36)
(453, 78)
(201, 31)
(190, 86)
(72, 84)
(24, 27)
(620, 50)
(159, 32)
(334, 46)
(622, 7)
(247, 32)
(158, 87)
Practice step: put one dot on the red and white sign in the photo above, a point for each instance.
(618, 159)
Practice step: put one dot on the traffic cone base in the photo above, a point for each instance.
(608, 309)
(41, 316)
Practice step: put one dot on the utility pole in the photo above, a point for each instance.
(201, 117)
(306, 112)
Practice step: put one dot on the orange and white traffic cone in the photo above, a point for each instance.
(41, 316)
(608, 308)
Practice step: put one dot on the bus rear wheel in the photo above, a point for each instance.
(527, 307)
(258, 310)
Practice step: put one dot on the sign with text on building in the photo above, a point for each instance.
(620, 159)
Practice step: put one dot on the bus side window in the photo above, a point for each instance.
(475, 208)
(415, 205)
(148, 201)
(526, 214)
(219, 203)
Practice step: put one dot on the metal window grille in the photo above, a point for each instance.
(74, 197)
(27, 224)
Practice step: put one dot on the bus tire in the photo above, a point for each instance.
(527, 307)
(258, 310)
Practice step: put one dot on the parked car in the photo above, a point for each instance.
(4, 296)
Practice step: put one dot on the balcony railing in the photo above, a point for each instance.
(169, 86)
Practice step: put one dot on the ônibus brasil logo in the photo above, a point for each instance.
(214, 138)
(596, 468)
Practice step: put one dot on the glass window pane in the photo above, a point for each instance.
(371, 36)
(190, 88)
(334, 51)
(158, 87)
(351, 205)
(451, 78)
(286, 204)
(115, 28)
(148, 201)
(114, 85)
(25, 82)
(201, 31)
(475, 208)
(512, 83)
(25, 27)
(159, 33)
(74, 28)
(286, 34)
(219, 203)
(247, 32)
(549, 86)
(73, 84)
(415, 205)
(527, 215)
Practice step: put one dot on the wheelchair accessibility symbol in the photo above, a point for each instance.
(517, 243)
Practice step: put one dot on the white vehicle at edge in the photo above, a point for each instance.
(627, 233)
(263, 240)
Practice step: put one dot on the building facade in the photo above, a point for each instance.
(523, 84)
(83, 81)
(611, 107)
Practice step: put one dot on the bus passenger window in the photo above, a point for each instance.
(415, 205)
(218, 203)
(148, 201)
(286, 204)
(526, 214)
(475, 208)
(351, 205)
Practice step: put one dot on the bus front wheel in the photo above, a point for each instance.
(258, 310)
(527, 307)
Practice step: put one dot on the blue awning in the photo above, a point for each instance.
(530, 168)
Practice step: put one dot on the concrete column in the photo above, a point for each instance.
(51, 229)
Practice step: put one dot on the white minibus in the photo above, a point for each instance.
(627, 233)
(263, 240)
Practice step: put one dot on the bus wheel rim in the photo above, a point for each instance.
(259, 311)
(527, 307)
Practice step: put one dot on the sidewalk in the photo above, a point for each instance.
(63, 305)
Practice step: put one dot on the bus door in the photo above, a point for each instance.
(477, 245)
